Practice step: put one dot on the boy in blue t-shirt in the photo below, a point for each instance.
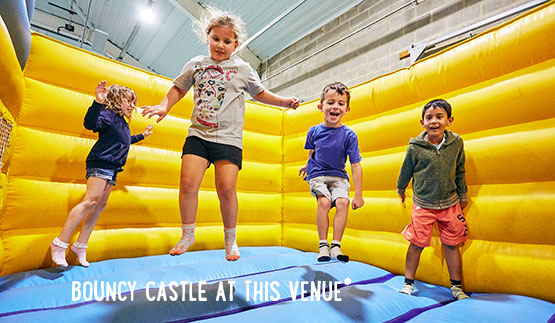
(329, 144)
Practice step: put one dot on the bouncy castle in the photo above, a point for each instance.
(501, 84)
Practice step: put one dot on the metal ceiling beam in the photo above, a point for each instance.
(194, 10)
(81, 14)
(86, 22)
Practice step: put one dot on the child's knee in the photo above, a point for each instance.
(324, 203)
(226, 191)
(342, 203)
(450, 247)
(91, 202)
(416, 248)
(187, 187)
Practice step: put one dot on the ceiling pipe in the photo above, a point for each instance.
(86, 21)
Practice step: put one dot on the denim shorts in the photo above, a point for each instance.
(109, 175)
(212, 151)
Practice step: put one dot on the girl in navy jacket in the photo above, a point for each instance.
(107, 116)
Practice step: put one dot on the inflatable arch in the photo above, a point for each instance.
(500, 84)
(17, 16)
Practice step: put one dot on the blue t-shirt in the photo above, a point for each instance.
(331, 147)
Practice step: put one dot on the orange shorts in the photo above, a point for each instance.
(451, 224)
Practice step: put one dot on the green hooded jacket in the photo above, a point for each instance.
(438, 175)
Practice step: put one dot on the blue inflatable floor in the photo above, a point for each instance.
(268, 284)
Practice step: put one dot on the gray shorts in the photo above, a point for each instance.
(331, 187)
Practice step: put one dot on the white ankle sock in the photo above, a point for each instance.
(58, 252)
(187, 239)
(324, 249)
(335, 251)
(80, 250)
(231, 248)
(60, 243)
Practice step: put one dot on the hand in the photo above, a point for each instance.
(156, 110)
(401, 195)
(100, 91)
(302, 172)
(463, 204)
(148, 131)
(358, 201)
(293, 102)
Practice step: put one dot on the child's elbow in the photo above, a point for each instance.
(356, 166)
(90, 125)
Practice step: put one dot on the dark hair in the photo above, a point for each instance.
(337, 87)
(437, 103)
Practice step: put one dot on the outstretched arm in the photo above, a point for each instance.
(161, 110)
(358, 201)
(268, 97)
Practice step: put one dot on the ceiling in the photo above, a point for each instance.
(164, 45)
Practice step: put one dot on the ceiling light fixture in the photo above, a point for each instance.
(147, 15)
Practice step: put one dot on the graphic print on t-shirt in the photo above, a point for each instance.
(211, 88)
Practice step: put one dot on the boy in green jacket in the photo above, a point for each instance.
(435, 161)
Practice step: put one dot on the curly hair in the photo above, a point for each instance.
(212, 17)
(113, 98)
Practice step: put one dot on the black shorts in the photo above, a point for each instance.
(212, 151)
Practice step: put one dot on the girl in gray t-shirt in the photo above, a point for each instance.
(215, 135)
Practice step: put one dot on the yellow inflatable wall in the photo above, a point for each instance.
(12, 88)
(499, 83)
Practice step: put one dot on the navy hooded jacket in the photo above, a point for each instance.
(114, 138)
